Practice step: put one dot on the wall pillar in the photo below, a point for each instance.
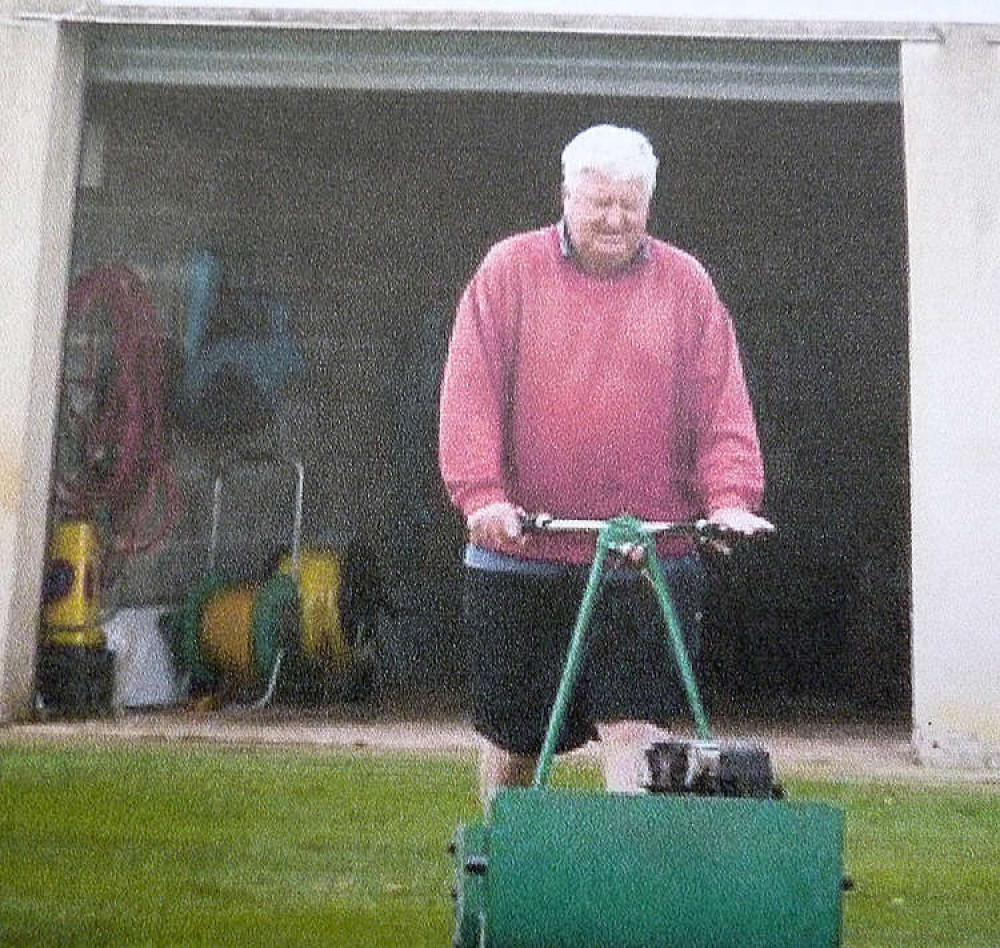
(41, 105)
(951, 115)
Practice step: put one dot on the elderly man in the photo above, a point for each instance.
(592, 371)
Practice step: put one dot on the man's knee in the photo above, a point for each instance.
(502, 768)
(634, 733)
(623, 754)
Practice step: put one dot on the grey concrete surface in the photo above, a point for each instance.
(848, 750)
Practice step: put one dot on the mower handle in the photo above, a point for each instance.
(627, 535)
(701, 529)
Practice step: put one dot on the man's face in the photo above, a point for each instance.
(606, 220)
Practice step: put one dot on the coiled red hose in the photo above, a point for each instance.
(124, 473)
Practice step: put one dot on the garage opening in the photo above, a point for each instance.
(366, 210)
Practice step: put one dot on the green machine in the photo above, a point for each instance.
(712, 857)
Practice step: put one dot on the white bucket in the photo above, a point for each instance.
(144, 671)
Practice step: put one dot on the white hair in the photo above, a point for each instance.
(620, 153)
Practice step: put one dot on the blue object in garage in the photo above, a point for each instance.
(238, 350)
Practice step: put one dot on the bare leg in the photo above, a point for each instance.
(501, 768)
(623, 753)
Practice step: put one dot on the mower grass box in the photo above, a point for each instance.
(567, 868)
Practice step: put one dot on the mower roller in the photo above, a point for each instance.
(712, 856)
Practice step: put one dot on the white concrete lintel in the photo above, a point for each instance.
(283, 15)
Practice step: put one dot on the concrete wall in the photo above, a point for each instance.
(41, 70)
(951, 108)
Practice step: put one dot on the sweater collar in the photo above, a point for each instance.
(568, 251)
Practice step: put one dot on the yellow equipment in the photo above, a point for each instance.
(319, 586)
(225, 637)
(70, 614)
(240, 638)
(75, 671)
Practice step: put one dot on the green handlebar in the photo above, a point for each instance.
(619, 533)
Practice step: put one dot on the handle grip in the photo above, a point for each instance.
(701, 530)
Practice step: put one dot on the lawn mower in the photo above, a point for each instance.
(713, 856)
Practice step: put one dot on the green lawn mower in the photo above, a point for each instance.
(713, 856)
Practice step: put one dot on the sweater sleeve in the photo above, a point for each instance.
(728, 468)
(476, 392)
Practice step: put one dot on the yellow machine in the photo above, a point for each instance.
(75, 668)
(70, 615)
(319, 585)
(224, 636)
(230, 633)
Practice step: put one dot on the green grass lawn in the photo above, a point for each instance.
(191, 845)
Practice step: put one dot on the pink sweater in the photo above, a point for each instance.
(588, 397)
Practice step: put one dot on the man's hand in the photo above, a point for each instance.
(497, 526)
(740, 521)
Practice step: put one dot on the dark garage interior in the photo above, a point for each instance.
(368, 210)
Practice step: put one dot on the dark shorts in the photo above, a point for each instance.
(520, 627)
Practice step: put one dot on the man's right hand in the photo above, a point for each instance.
(497, 526)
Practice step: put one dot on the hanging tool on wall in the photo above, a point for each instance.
(238, 351)
(113, 465)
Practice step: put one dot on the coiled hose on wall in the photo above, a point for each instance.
(120, 475)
